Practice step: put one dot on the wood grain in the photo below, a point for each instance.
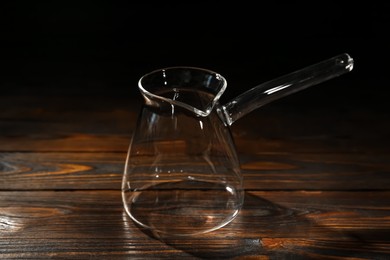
(55, 171)
(296, 224)
(96, 123)
(317, 183)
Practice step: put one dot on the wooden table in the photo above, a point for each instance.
(317, 181)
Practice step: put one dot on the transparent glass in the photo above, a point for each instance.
(182, 175)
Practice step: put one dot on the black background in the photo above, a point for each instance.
(104, 47)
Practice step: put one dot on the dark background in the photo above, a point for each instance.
(92, 47)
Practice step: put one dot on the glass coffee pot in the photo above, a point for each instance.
(182, 174)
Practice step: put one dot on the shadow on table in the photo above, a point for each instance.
(264, 228)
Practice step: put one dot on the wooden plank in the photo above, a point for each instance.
(298, 224)
(316, 171)
(98, 123)
(66, 123)
(119, 142)
(47, 171)
(64, 142)
(302, 171)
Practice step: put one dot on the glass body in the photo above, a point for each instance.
(182, 175)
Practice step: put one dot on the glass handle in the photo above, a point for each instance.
(286, 85)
